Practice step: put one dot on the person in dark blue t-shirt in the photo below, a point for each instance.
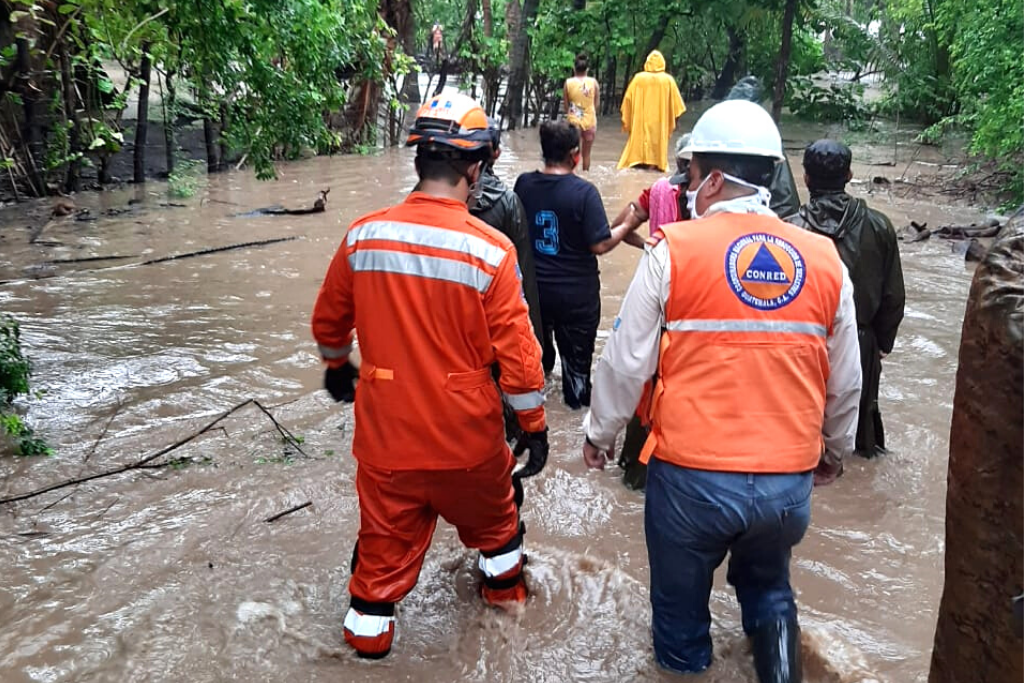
(568, 229)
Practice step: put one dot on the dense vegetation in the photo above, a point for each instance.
(268, 79)
(15, 370)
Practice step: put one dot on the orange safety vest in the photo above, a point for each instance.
(743, 363)
(436, 298)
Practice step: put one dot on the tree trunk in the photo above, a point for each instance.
(399, 16)
(488, 18)
(518, 63)
(169, 117)
(213, 163)
(657, 36)
(782, 65)
(974, 636)
(72, 176)
(31, 132)
(727, 76)
(608, 97)
(142, 118)
(223, 141)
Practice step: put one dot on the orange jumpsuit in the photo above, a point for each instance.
(436, 298)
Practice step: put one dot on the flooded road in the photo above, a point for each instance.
(173, 575)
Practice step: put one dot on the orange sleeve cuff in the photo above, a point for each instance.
(532, 420)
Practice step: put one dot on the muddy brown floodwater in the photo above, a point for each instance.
(172, 574)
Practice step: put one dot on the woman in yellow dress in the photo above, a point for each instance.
(581, 102)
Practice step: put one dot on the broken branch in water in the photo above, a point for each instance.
(214, 250)
(279, 515)
(202, 252)
(89, 259)
(290, 438)
(142, 464)
(103, 434)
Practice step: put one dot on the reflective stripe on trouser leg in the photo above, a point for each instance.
(370, 627)
(502, 571)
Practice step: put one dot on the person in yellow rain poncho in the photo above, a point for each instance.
(649, 112)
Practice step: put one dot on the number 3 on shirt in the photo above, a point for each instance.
(547, 221)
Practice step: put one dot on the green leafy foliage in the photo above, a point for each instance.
(15, 370)
(14, 367)
(826, 102)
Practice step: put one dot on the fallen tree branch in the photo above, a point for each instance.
(214, 250)
(290, 438)
(144, 462)
(279, 515)
(103, 434)
(162, 259)
(89, 259)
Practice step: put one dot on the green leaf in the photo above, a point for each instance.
(67, 9)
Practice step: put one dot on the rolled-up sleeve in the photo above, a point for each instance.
(842, 391)
(630, 356)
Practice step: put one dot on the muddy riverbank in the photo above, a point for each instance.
(173, 574)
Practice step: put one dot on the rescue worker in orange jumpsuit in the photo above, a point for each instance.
(750, 324)
(435, 296)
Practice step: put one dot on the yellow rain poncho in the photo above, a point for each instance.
(649, 112)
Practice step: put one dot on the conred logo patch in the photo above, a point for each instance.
(764, 271)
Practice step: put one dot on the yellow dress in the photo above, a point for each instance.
(580, 93)
(649, 112)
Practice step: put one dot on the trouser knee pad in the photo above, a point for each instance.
(370, 627)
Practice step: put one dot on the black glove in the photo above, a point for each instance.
(341, 382)
(537, 444)
(513, 432)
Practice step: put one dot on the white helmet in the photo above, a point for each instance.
(736, 127)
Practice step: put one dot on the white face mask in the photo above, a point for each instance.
(691, 198)
(763, 195)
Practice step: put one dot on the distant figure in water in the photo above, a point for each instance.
(437, 40)
(581, 99)
(649, 112)
(867, 244)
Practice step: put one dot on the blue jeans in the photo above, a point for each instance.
(692, 518)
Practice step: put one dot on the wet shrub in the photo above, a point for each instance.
(831, 102)
(14, 381)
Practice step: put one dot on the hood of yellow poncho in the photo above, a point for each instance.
(655, 62)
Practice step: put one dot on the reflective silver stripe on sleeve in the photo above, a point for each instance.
(366, 625)
(428, 236)
(332, 352)
(771, 326)
(493, 567)
(419, 265)
(530, 399)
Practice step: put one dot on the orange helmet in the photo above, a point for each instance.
(451, 122)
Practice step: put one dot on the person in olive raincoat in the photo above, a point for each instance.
(867, 245)
(500, 208)
(785, 200)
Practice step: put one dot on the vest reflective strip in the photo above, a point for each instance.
(332, 352)
(419, 265)
(772, 326)
(428, 236)
(530, 399)
(366, 625)
(494, 567)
